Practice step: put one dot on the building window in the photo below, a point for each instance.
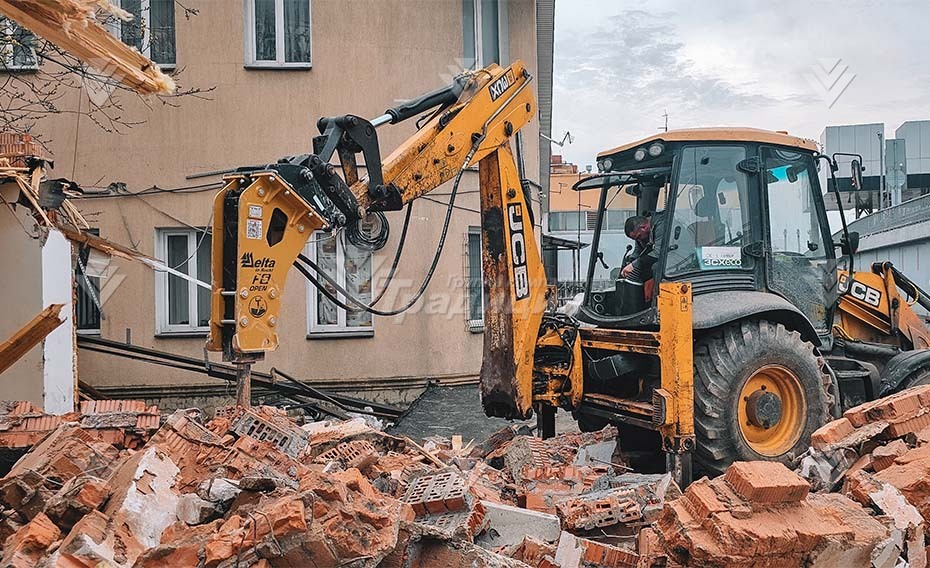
(277, 33)
(351, 268)
(481, 33)
(614, 220)
(17, 47)
(87, 299)
(474, 280)
(181, 305)
(151, 29)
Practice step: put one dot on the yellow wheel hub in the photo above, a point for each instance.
(772, 410)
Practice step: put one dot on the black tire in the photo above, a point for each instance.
(908, 369)
(724, 360)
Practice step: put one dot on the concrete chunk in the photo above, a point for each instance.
(218, 490)
(510, 525)
(195, 511)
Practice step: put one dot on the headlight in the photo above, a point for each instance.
(600, 165)
(607, 163)
(640, 154)
(655, 149)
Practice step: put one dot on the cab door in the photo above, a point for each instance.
(799, 266)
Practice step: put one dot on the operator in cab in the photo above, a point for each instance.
(637, 267)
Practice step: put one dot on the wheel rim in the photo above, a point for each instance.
(772, 410)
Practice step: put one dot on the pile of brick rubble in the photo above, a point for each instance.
(116, 484)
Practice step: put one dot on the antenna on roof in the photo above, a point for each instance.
(567, 138)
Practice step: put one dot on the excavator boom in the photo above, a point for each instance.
(264, 216)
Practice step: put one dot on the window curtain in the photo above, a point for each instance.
(475, 283)
(326, 311)
(297, 31)
(162, 31)
(178, 289)
(265, 37)
(358, 283)
(131, 31)
(203, 274)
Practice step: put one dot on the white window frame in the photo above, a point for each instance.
(339, 329)
(279, 62)
(162, 327)
(503, 33)
(91, 288)
(114, 26)
(6, 50)
(474, 325)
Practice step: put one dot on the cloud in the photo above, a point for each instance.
(618, 70)
(632, 58)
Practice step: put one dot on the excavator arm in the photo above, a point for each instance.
(264, 216)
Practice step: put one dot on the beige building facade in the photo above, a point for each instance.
(273, 67)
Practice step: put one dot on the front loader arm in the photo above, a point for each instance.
(264, 216)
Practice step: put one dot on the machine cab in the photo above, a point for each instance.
(727, 209)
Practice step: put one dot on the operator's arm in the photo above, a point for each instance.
(650, 255)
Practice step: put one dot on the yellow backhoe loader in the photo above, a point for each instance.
(743, 336)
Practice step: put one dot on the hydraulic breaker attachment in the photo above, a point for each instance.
(261, 223)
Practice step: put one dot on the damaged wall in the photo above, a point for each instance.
(36, 274)
(20, 281)
(258, 115)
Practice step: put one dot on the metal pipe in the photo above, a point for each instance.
(225, 372)
(383, 119)
(244, 385)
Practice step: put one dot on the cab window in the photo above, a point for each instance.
(710, 222)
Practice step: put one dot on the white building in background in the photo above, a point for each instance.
(900, 166)
(916, 137)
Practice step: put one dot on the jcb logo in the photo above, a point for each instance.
(521, 279)
(860, 291)
(498, 87)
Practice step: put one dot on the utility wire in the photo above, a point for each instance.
(359, 304)
(153, 191)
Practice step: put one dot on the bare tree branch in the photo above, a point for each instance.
(38, 80)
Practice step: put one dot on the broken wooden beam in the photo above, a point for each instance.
(73, 27)
(29, 336)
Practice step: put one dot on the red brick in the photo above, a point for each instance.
(909, 423)
(891, 407)
(357, 453)
(436, 493)
(884, 456)
(766, 482)
(28, 545)
(831, 432)
(607, 556)
(17, 147)
(602, 510)
(534, 552)
(702, 501)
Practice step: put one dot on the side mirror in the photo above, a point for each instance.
(856, 175)
(849, 244)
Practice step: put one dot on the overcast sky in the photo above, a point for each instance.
(620, 65)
